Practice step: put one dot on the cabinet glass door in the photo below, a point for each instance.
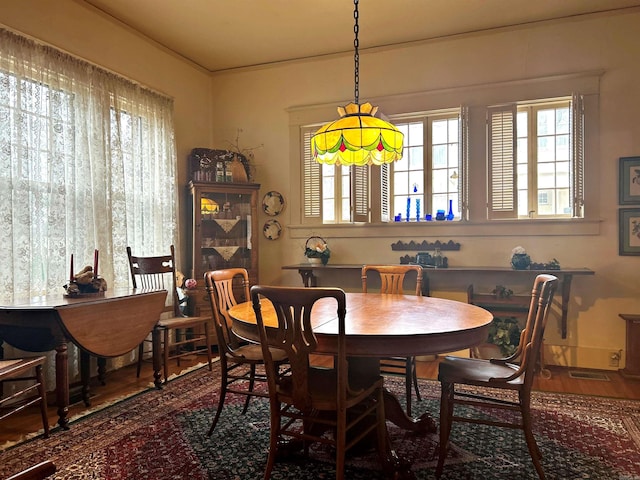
(225, 233)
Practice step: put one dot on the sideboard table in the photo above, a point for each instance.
(632, 363)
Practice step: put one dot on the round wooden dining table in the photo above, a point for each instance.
(381, 325)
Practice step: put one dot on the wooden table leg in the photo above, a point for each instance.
(62, 384)
(102, 370)
(156, 356)
(366, 368)
(85, 376)
(396, 415)
(308, 278)
(566, 297)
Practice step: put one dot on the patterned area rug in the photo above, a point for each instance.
(162, 435)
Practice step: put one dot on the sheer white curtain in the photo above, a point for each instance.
(87, 161)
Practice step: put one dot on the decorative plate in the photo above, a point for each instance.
(273, 203)
(272, 229)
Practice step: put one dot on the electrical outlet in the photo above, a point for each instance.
(614, 359)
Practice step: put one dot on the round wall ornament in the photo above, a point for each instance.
(272, 229)
(273, 203)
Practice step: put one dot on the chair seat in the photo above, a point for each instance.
(477, 371)
(12, 367)
(182, 322)
(253, 353)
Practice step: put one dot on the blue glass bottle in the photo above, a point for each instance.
(450, 214)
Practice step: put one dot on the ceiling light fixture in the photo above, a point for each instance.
(357, 137)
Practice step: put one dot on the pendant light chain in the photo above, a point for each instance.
(357, 137)
(356, 56)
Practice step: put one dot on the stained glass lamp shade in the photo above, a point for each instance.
(357, 138)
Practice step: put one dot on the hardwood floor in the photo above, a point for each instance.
(124, 382)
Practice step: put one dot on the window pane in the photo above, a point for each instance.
(523, 145)
(546, 122)
(562, 147)
(401, 183)
(328, 211)
(439, 131)
(440, 202)
(563, 201)
(400, 206)
(439, 159)
(546, 149)
(453, 180)
(440, 181)
(346, 210)
(403, 163)
(522, 121)
(453, 154)
(328, 190)
(562, 121)
(415, 134)
(523, 203)
(415, 180)
(522, 172)
(415, 157)
(328, 170)
(562, 174)
(346, 186)
(546, 175)
(453, 129)
(546, 202)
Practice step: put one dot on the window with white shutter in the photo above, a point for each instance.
(535, 159)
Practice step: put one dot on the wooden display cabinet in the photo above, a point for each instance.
(224, 234)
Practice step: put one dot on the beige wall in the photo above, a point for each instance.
(259, 101)
(210, 110)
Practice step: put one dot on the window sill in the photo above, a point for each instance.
(497, 228)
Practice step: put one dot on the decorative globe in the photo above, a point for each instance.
(190, 283)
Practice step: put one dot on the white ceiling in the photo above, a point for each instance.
(227, 34)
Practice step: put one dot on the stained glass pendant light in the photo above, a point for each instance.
(357, 137)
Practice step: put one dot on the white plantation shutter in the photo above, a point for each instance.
(360, 193)
(384, 193)
(501, 142)
(463, 167)
(577, 156)
(312, 181)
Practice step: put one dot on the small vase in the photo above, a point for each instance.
(520, 261)
(450, 215)
(314, 260)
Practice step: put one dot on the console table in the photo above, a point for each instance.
(632, 364)
(308, 273)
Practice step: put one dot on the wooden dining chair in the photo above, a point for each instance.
(27, 369)
(392, 281)
(40, 471)
(177, 330)
(309, 400)
(513, 373)
(238, 361)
